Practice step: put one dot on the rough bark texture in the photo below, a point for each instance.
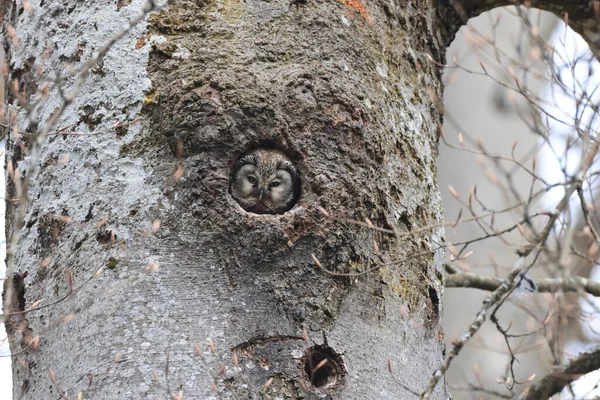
(344, 90)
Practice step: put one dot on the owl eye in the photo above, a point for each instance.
(252, 179)
(275, 184)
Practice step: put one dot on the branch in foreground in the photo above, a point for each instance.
(504, 288)
(474, 281)
(564, 374)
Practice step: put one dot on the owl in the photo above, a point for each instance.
(265, 181)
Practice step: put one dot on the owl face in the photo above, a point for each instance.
(265, 182)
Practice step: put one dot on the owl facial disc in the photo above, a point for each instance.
(265, 181)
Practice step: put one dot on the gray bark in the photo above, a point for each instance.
(346, 92)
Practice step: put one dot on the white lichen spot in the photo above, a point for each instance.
(250, 365)
(182, 53)
(382, 70)
(23, 164)
(157, 39)
(345, 20)
(297, 354)
(384, 88)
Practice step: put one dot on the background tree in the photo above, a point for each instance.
(134, 272)
(480, 108)
(494, 168)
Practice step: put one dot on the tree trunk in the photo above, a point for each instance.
(218, 302)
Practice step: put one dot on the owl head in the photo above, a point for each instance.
(265, 181)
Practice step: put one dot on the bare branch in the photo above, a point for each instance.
(504, 289)
(564, 374)
(544, 285)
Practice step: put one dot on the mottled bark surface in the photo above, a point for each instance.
(345, 91)
(344, 98)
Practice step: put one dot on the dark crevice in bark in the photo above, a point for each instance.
(249, 345)
(105, 236)
(324, 369)
(13, 298)
(26, 78)
(49, 230)
(435, 306)
(25, 386)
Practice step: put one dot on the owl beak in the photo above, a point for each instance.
(261, 193)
